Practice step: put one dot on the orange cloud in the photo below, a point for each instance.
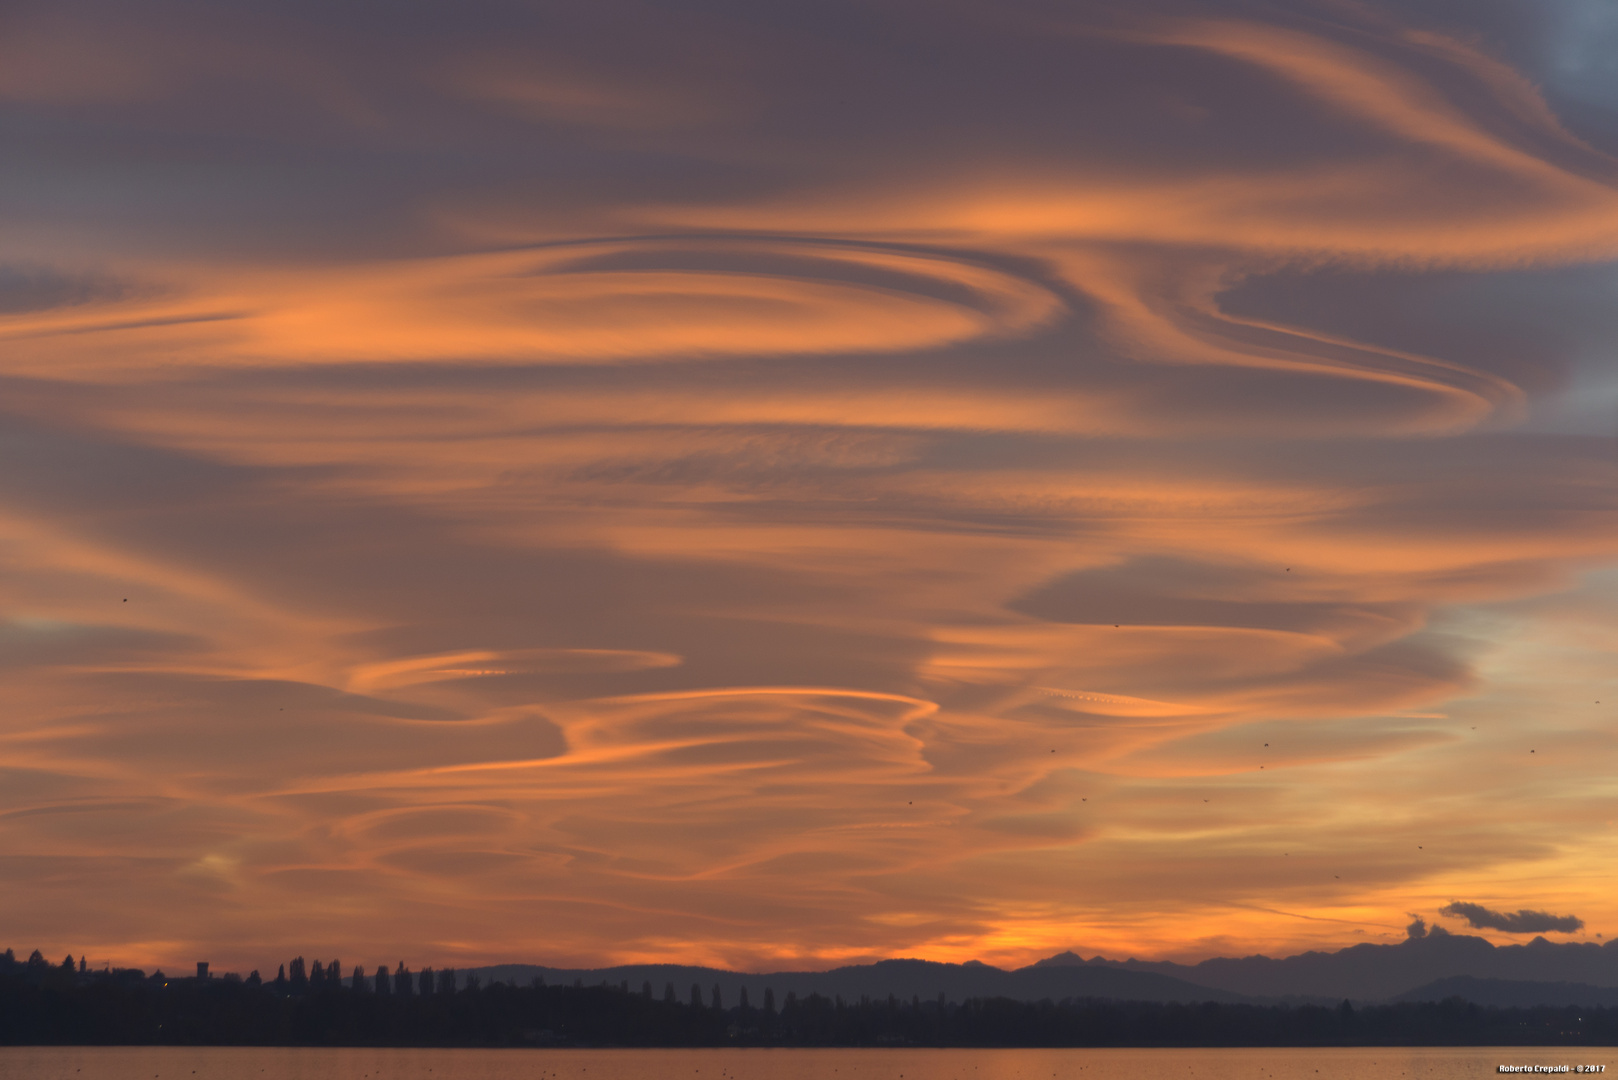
(596, 302)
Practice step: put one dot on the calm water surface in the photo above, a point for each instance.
(220, 1063)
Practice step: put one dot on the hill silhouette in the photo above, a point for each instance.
(903, 979)
(1513, 994)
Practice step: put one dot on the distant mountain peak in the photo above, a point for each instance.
(1061, 959)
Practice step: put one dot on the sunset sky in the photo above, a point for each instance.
(776, 485)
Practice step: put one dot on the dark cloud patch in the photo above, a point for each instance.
(38, 288)
(254, 734)
(60, 470)
(1164, 591)
(31, 643)
(1515, 922)
(1523, 325)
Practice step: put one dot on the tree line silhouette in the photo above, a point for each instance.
(314, 1005)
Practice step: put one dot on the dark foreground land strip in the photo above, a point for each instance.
(117, 1009)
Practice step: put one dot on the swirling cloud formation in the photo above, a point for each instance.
(617, 480)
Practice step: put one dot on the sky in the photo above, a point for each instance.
(781, 485)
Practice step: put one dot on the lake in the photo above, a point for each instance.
(349, 1063)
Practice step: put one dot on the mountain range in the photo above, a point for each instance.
(1382, 972)
(1426, 966)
